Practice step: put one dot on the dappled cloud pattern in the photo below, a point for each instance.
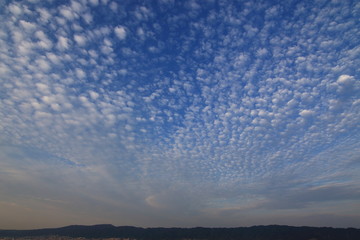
(179, 113)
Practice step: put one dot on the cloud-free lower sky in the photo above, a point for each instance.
(179, 113)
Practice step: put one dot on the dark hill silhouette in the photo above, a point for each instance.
(272, 232)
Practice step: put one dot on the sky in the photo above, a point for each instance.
(179, 113)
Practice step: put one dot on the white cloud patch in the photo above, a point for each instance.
(345, 80)
(68, 13)
(44, 41)
(81, 40)
(44, 15)
(27, 26)
(15, 9)
(93, 95)
(80, 73)
(43, 64)
(114, 6)
(307, 113)
(120, 32)
(63, 43)
(88, 18)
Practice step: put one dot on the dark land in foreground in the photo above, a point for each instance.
(106, 231)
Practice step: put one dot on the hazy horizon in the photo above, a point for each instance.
(189, 227)
(179, 113)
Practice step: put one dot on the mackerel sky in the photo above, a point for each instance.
(179, 113)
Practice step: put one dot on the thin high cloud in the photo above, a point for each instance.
(179, 110)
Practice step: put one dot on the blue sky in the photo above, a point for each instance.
(179, 113)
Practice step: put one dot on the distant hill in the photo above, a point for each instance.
(272, 232)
